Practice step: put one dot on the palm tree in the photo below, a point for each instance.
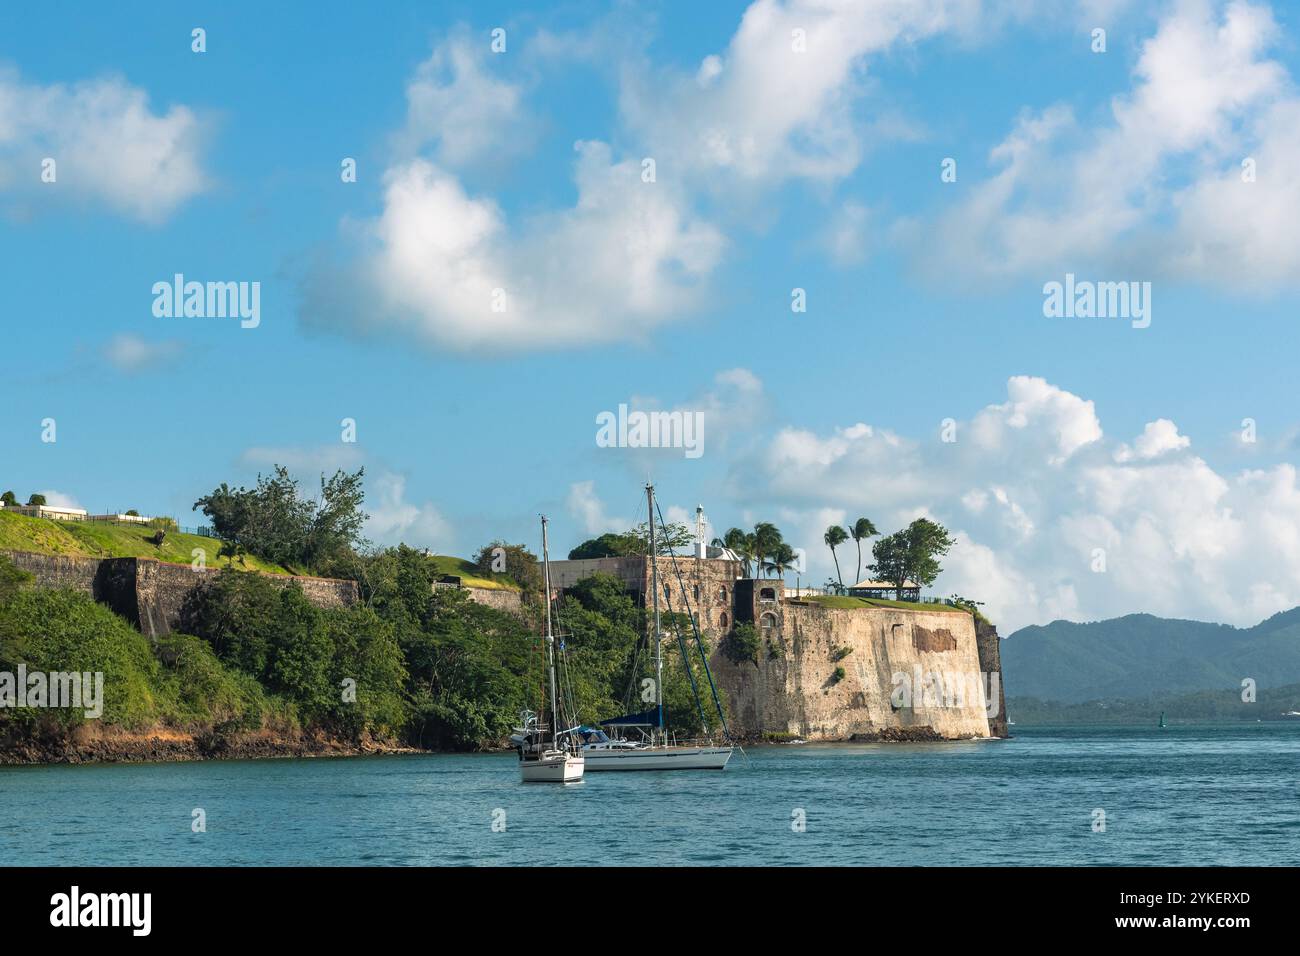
(861, 530)
(749, 551)
(766, 541)
(783, 558)
(835, 536)
(739, 542)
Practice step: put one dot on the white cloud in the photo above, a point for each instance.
(1032, 488)
(394, 520)
(627, 257)
(1157, 190)
(57, 499)
(1157, 438)
(108, 145)
(589, 511)
(456, 103)
(761, 112)
(131, 353)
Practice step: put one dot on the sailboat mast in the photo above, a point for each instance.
(654, 589)
(550, 638)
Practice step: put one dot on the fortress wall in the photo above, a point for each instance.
(151, 593)
(797, 693)
(57, 571)
(990, 651)
(502, 599)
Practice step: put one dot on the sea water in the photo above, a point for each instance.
(1185, 795)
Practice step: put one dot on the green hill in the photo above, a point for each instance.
(1272, 703)
(1142, 656)
(94, 539)
(469, 575)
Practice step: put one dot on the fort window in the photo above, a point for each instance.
(696, 591)
(767, 594)
(722, 619)
(722, 593)
(767, 622)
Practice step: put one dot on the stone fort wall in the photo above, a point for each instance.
(150, 593)
(793, 689)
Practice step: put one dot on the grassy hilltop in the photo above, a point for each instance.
(93, 539)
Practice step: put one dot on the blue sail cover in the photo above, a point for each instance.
(647, 718)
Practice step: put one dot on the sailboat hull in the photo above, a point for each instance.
(562, 769)
(659, 758)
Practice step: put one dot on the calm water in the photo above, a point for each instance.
(1191, 795)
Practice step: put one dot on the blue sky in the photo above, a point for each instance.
(776, 169)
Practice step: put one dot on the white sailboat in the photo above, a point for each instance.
(652, 748)
(547, 754)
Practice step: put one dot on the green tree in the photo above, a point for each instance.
(276, 523)
(515, 560)
(36, 499)
(742, 644)
(782, 560)
(673, 537)
(8, 498)
(767, 539)
(368, 664)
(911, 554)
(860, 531)
(834, 537)
(609, 545)
(741, 543)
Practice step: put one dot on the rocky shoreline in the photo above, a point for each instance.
(165, 745)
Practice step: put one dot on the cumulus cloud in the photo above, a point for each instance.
(457, 105)
(450, 269)
(447, 268)
(395, 520)
(108, 145)
(1052, 519)
(1160, 186)
(589, 511)
(1157, 438)
(777, 103)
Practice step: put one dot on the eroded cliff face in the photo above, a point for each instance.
(907, 675)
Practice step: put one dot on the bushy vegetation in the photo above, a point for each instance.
(673, 538)
(514, 561)
(276, 522)
(424, 665)
(742, 644)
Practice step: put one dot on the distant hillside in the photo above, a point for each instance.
(1272, 703)
(1141, 656)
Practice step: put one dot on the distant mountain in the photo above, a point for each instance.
(1142, 656)
(1272, 704)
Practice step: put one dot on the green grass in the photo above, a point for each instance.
(470, 575)
(846, 602)
(93, 539)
